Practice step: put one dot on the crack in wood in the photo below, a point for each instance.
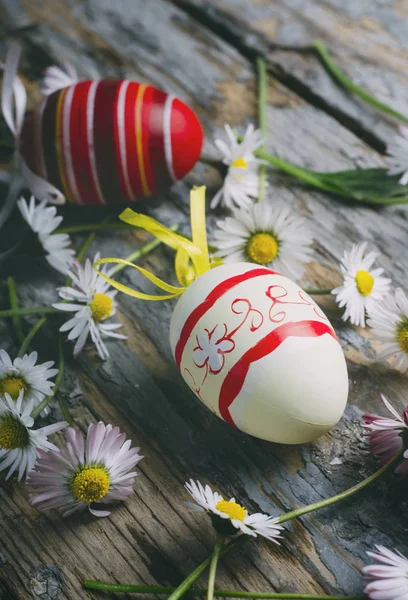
(251, 44)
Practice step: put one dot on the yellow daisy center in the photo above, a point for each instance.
(240, 163)
(364, 282)
(91, 484)
(12, 386)
(101, 307)
(13, 434)
(262, 248)
(402, 335)
(232, 509)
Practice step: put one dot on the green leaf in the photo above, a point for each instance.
(373, 186)
(366, 184)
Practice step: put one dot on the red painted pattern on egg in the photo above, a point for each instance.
(108, 141)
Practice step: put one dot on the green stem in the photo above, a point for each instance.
(83, 250)
(318, 292)
(158, 589)
(310, 177)
(262, 120)
(64, 409)
(61, 365)
(198, 571)
(303, 174)
(293, 514)
(92, 227)
(26, 342)
(141, 251)
(34, 310)
(85, 246)
(323, 181)
(219, 543)
(14, 305)
(343, 80)
(298, 512)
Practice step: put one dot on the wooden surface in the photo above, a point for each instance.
(203, 52)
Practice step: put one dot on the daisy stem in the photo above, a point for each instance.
(261, 66)
(298, 512)
(142, 251)
(183, 588)
(219, 543)
(34, 310)
(26, 341)
(83, 250)
(158, 589)
(14, 305)
(198, 571)
(343, 80)
(318, 292)
(92, 227)
(61, 364)
(64, 409)
(84, 247)
(303, 174)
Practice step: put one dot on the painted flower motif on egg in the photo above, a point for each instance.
(260, 353)
(108, 141)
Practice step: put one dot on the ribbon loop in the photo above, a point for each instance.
(13, 94)
(175, 291)
(13, 106)
(195, 251)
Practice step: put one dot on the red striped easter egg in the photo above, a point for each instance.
(109, 141)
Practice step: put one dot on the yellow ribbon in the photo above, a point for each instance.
(192, 259)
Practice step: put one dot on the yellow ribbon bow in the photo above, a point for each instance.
(192, 259)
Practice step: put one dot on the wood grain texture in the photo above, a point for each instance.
(152, 538)
(367, 39)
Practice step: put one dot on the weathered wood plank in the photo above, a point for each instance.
(368, 40)
(152, 538)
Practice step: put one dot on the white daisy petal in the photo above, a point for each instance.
(265, 234)
(205, 499)
(241, 184)
(19, 443)
(388, 322)
(92, 303)
(43, 221)
(24, 374)
(363, 287)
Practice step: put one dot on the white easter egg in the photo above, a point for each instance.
(260, 353)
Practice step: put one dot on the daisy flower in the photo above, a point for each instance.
(230, 517)
(386, 434)
(397, 151)
(23, 374)
(388, 321)
(388, 580)
(363, 286)
(92, 302)
(56, 78)
(266, 235)
(241, 184)
(19, 443)
(82, 473)
(43, 220)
